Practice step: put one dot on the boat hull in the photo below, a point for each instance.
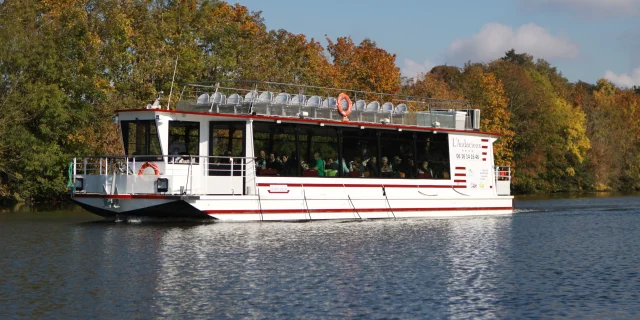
(252, 208)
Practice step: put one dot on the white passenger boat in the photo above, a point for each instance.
(261, 151)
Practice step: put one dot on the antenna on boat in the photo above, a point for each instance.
(172, 81)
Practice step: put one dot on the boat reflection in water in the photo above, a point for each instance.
(383, 268)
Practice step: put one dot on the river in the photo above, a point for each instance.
(554, 258)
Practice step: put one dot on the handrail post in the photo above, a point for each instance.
(231, 177)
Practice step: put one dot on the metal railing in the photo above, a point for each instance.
(185, 167)
(264, 101)
(125, 165)
(502, 173)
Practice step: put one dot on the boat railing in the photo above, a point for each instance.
(143, 173)
(291, 100)
(502, 176)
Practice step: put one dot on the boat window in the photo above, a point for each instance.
(277, 154)
(275, 149)
(359, 147)
(141, 139)
(433, 155)
(226, 139)
(397, 155)
(318, 151)
(184, 139)
(365, 152)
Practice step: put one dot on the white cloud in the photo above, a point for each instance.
(591, 7)
(494, 39)
(412, 69)
(624, 80)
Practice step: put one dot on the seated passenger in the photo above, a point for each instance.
(274, 163)
(425, 170)
(356, 165)
(303, 164)
(332, 165)
(318, 164)
(410, 170)
(288, 166)
(385, 166)
(261, 162)
(176, 152)
(372, 167)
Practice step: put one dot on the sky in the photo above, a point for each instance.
(586, 39)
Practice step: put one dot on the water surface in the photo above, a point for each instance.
(575, 258)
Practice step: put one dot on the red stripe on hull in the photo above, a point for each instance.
(122, 196)
(298, 211)
(336, 185)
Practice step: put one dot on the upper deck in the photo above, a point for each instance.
(294, 102)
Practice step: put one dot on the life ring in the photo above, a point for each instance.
(147, 164)
(347, 112)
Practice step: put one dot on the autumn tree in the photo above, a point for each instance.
(363, 67)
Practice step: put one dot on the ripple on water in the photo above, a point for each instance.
(544, 262)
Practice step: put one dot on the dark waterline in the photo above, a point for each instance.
(567, 257)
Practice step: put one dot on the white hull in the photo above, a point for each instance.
(309, 203)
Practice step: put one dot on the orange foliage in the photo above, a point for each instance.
(364, 67)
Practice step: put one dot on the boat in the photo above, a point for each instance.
(267, 151)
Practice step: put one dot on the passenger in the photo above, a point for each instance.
(356, 166)
(372, 167)
(273, 162)
(425, 170)
(227, 157)
(410, 170)
(318, 165)
(385, 167)
(289, 165)
(332, 165)
(344, 166)
(261, 162)
(331, 168)
(176, 152)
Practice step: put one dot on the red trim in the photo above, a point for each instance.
(484, 159)
(298, 211)
(325, 121)
(484, 147)
(484, 153)
(485, 140)
(461, 168)
(121, 196)
(460, 175)
(284, 192)
(354, 185)
(459, 180)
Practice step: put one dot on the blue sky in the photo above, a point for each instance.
(585, 39)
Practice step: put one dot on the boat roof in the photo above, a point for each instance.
(294, 103)
(324, 122)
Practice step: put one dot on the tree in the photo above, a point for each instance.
(364, 67)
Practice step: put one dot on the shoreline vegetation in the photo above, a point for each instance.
(66, 66)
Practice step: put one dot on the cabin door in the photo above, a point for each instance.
(227, 162)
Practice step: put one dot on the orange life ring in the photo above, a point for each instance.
(147, 164)
(347, 112)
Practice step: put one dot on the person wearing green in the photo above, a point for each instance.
(319, 164)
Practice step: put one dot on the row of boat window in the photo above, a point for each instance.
(311, 151)
(284, 98)
(304, 150)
